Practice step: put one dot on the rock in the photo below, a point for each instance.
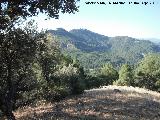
(116, 91)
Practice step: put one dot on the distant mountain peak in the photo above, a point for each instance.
(96, 49)
(85, 31)
(61, 29)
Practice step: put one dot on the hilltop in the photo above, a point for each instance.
(105, 103)
(94, 50)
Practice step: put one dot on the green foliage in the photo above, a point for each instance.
(21, 49)
(94, 50)
(33, 68)
(52, 92)
(99, 77)
(18, 48)
(49, 56)
(71, 76)
(108, 74)
(147, 73)
(58, 75)
(125, 76)
(93, 82)
(157, 84)
(13, 10)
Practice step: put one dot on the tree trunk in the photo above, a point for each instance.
(7, 110)
(10, 93)
(10, 115)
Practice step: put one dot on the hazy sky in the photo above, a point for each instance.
(140, 21)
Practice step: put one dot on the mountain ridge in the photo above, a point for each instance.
(93, 49)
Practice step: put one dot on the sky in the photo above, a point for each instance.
(134, 20)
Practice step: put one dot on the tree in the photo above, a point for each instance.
(72, 78)
(49, 56)
(108, 74)
(50, 60)
(147, 73)
(18, 49)
(125, 76)
(12, 10)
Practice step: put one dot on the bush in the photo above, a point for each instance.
(121, 82)
(147, 73)
(77, 85)
(93, 82)
(146, 81)
(55, 94)
(125, 76)
(107, 74)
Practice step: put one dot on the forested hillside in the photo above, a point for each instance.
(94, 50)
(50, 66)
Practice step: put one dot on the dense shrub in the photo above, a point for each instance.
(147, 73)
(93, 82)
(125, 76)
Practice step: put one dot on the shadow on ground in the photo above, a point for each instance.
(101, 105)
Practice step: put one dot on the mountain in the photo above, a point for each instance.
(94, 50)
(83, 40)
(155, 40)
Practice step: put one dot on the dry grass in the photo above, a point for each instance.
(99, 104)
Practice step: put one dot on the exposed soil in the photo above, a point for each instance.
(107, 103)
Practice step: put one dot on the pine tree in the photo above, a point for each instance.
(125, 76)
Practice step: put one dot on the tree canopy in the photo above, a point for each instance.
(147, 73)
(125, 75)
(18, 49)
(21, 47)
(11, 10)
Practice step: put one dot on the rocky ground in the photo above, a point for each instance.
(106, 103)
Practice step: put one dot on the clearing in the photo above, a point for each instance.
(105, 103)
